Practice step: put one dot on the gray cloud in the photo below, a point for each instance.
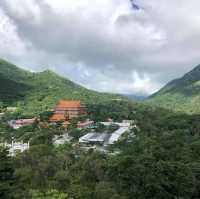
(104, 43)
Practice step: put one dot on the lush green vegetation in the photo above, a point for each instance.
(162, 161)
(6, 175)
(181, 95)
(34, 93)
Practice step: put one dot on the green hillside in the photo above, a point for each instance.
(37, 92)
(180, 95)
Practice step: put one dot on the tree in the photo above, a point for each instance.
(105, 190)
(52, 194)
(76, 133)
(45, 116)
(6, 175)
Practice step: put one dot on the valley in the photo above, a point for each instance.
(60, 139)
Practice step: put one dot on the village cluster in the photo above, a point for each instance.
(63, 113)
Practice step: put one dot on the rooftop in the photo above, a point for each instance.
(58, 117)
(95, 137)
(68, 104)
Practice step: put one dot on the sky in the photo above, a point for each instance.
(120, 46)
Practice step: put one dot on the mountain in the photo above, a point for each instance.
(37, 92)
(138, 98)
(180, 95)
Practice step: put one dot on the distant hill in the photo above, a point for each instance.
(180, 95)
(135, 97)
(37, 92)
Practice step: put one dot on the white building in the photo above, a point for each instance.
(116, 135)
(123, 124)
(95, 138)
(61, 139)
(16, 147)
(106, 138)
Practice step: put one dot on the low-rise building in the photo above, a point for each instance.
(16, 124)
(129, 121)
(94, 138)
(61, 139)
(16, 147)
(85, 124)
(106, 138)
(115, 136)
(123, 124)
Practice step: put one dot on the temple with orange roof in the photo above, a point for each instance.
(66, 110)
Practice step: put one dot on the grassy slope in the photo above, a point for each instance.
(181, 95)
(37, 92)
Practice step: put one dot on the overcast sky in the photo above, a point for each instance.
(118, 46)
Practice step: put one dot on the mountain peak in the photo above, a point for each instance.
(197, 68)
(194, 71)
(190, 77)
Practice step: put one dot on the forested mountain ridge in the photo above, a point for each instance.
(180, 95)
(37, 92)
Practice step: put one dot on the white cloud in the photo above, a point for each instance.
(104, 43)
(10, 43)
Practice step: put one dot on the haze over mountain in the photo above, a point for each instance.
(181, 94)
(37, 92)
(136, 97)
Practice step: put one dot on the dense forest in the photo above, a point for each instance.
(161, 161)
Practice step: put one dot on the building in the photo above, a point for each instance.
(122, 124)
(95, 138)
(61, 139)
(85, 124)
(16, 147)
(106, 138)
(25, 122)
(129, 121)
(16, 124)
(66, 110)
(115, 136)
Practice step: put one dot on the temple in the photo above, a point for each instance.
(66, 110)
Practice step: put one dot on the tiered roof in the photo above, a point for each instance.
(64, 105)
(58, 117)
(69, 104)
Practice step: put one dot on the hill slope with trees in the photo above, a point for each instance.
(180, 95)
(37, 92)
